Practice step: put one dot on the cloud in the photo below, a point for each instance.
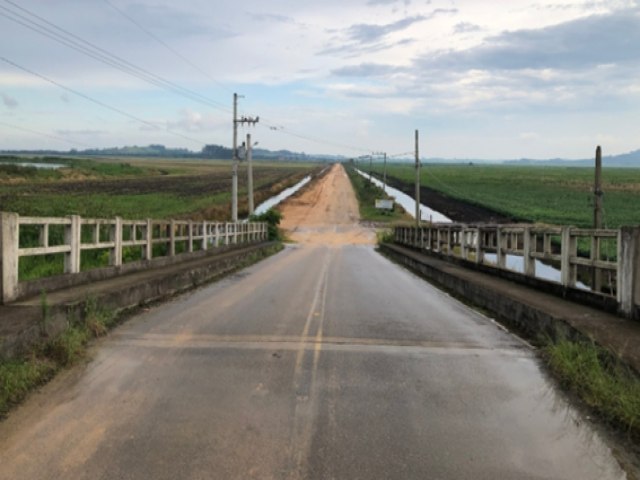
(466, 27)
(369, 33)
(271, 18)
(579, 44)
(8, 101)
(365, 70)
(388, 2)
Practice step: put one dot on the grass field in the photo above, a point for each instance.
(138, 188)
(556, 195)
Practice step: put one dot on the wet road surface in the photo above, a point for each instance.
(317, 363)
(326, 361)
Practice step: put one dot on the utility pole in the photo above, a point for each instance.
(384, 178)
(370, 168)
(597, 191)
(250, 173)
(597, 220)
(417, 183)
(236, 160)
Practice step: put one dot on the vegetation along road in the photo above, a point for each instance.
(325, 361)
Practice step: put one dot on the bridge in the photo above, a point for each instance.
(326, 360)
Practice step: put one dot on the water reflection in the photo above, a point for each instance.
(273, 201)
(43, 166)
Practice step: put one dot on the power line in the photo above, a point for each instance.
(42, 134)
(97, 102)
(97, 53)
(282, 129)
(167, 46)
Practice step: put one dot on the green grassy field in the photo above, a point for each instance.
(556, 195)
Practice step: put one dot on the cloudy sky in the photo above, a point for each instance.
(477, 78)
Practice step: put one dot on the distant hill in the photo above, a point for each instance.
(629, 160)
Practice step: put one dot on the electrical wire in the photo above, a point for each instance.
(167, 46)
(97, 102)
(282, 129)
(97, 53)
(42, 134)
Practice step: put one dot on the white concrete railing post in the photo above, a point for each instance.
(148, 234)
(9, 245)
(501, 248)
(529, 261)
(205, 235)
(479, 242)
(116, 238)
(172, 238)
(463, 243)
(568, 271)
(628, 281)
(72, 238)
(190, 227)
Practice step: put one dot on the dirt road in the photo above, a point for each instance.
(326, 213)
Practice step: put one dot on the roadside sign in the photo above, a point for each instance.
(384, 204)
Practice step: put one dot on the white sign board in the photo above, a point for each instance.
(384, 204)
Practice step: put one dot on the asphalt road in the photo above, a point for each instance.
(317, 363)
(322, 362)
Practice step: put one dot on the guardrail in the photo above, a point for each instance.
(610, 258)
(76, 234)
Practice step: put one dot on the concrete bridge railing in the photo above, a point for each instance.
(611, 257)
(77, 234)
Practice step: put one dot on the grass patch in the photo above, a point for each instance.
(19, 377)
(367, 193)
(273, 218)
(599, 379)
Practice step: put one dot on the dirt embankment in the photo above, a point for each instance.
(457, 210)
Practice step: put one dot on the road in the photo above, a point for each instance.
(325, 361)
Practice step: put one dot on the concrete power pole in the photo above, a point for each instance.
(236, 160)
(417, 183)
(384, 177)
(370, 168)
(597, 191)
(234, 170)
(250, 173)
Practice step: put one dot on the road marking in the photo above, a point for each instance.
(306, 401)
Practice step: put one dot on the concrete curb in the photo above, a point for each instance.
(25, 323)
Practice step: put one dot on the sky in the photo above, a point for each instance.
(478, 79)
